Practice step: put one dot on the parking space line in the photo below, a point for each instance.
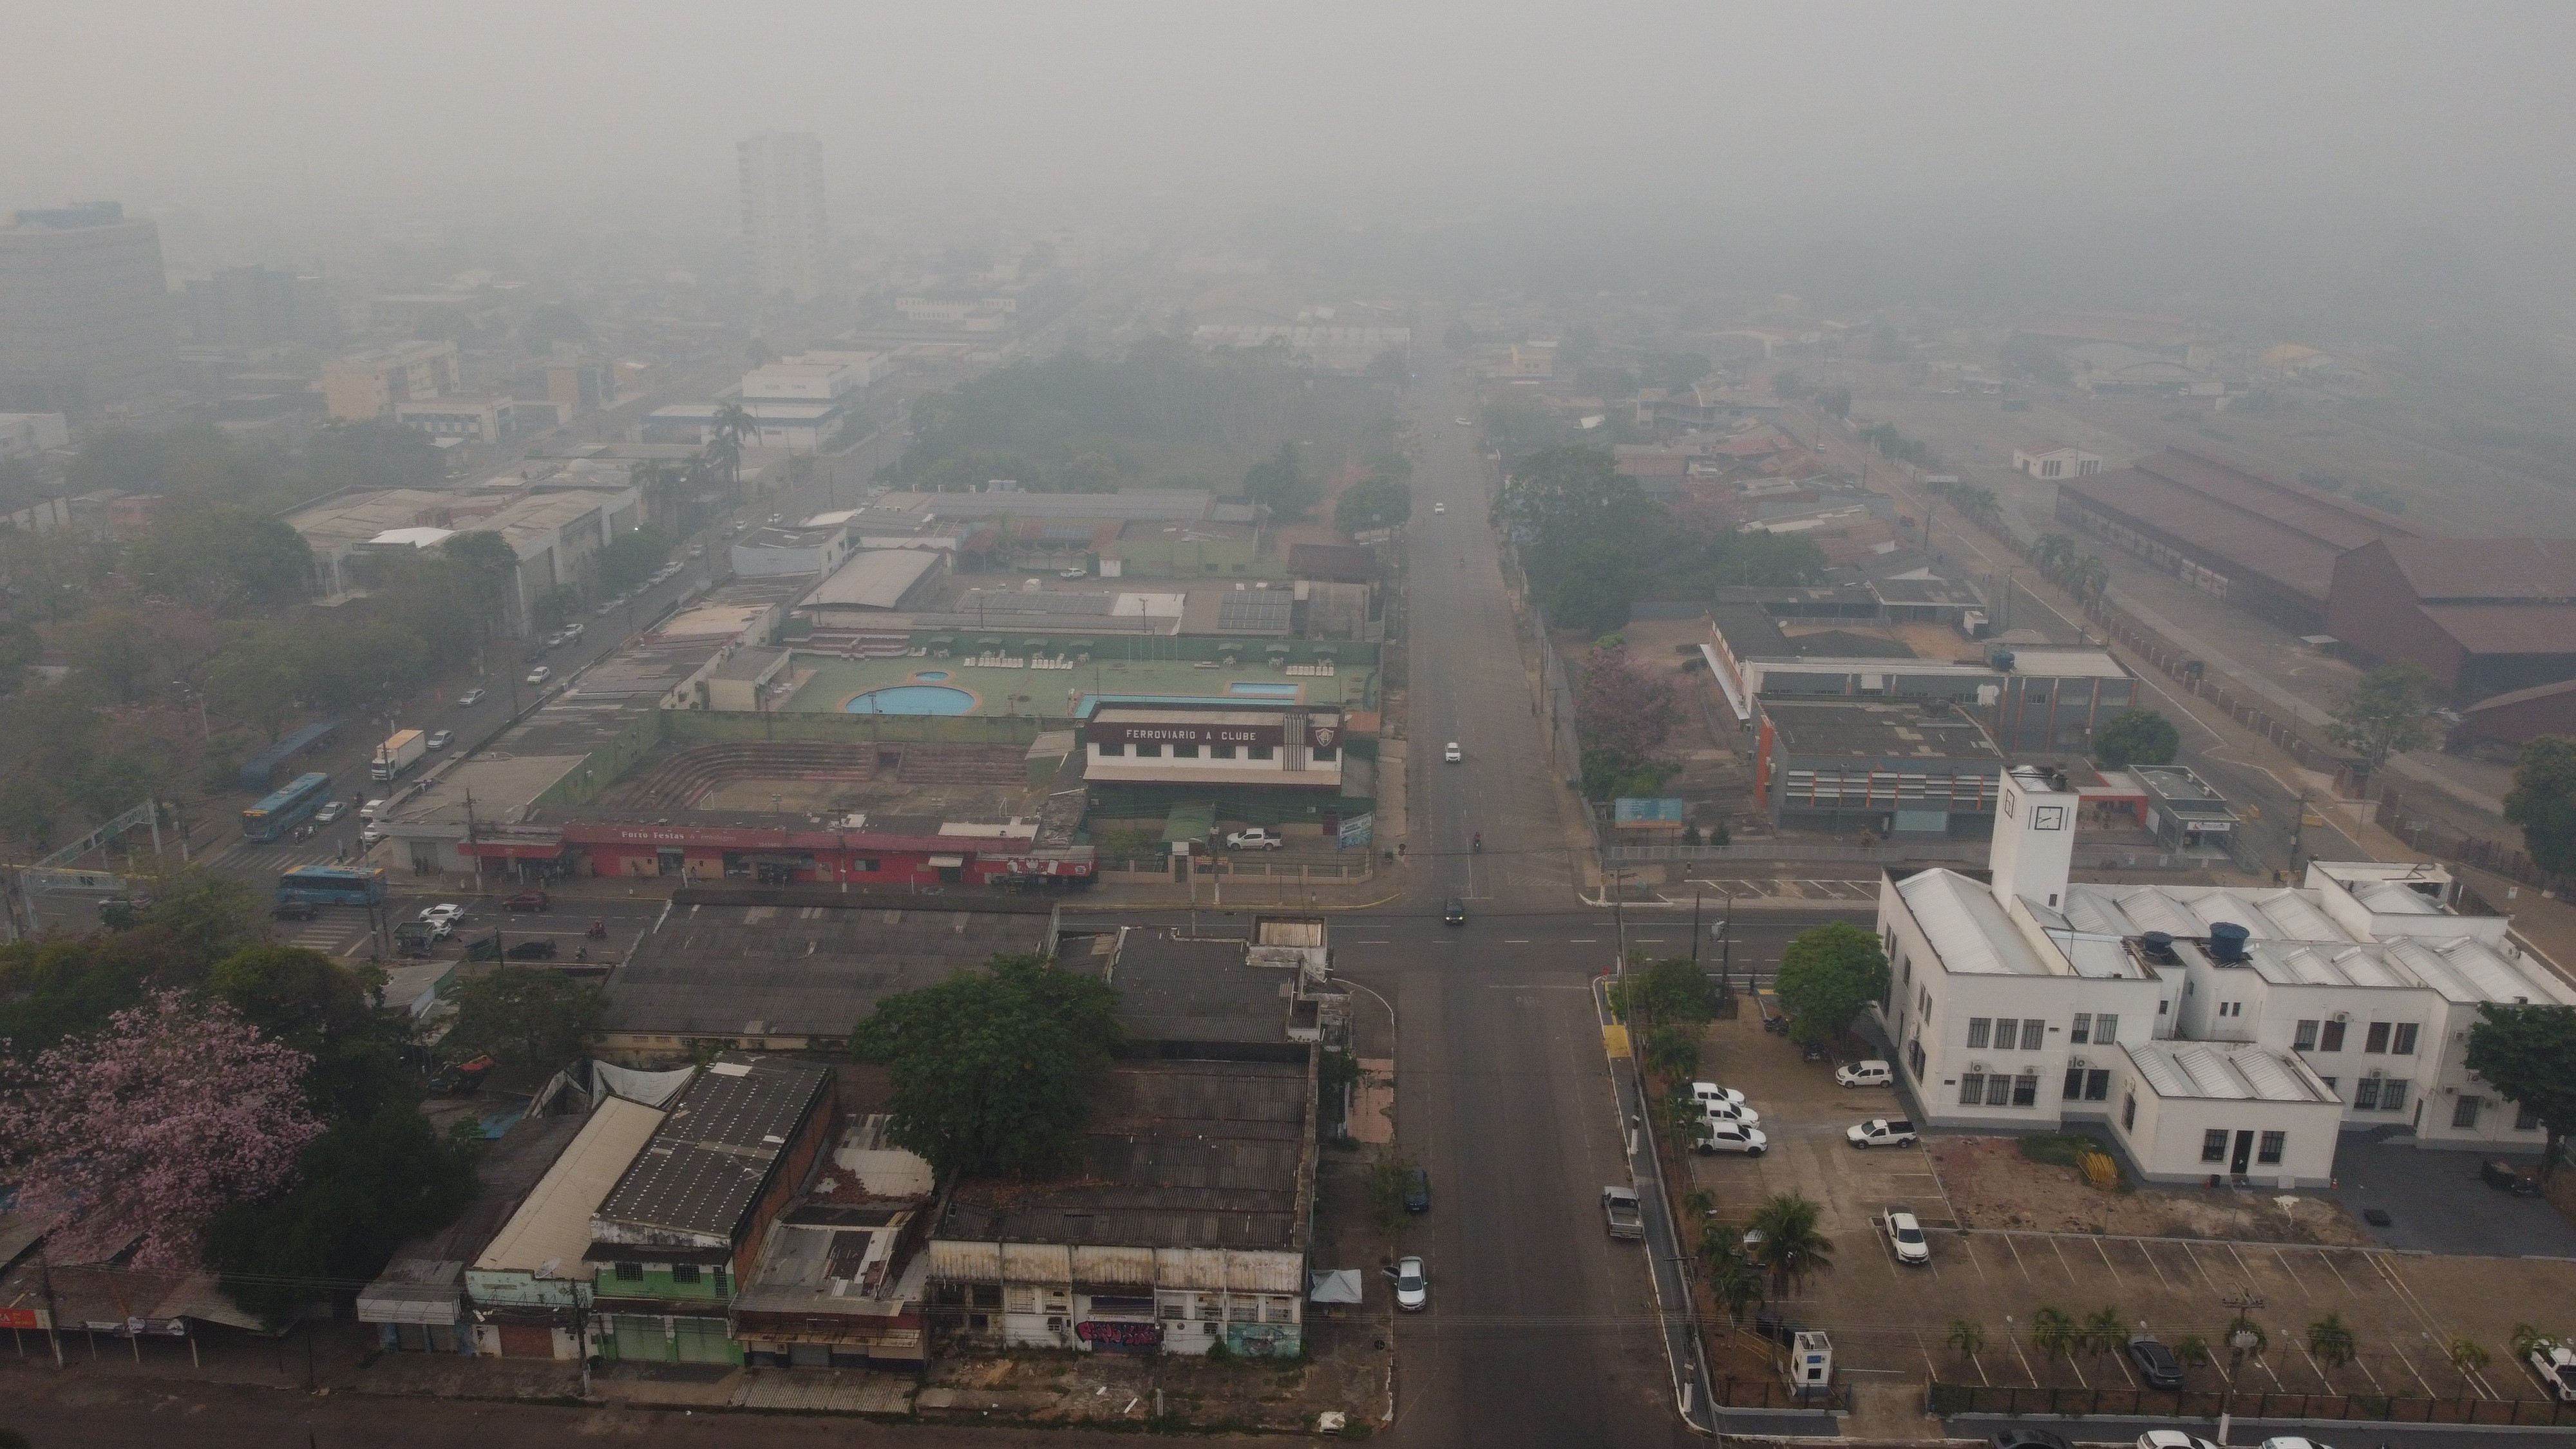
(2116, 1280)
(2189, 1252)
(2147, 1252)
(2425, 1383)
(2068, 1268)
(2328, 1259)
(2015, 1249)
(2284, 1261)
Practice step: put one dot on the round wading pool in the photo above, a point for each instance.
(912, 699)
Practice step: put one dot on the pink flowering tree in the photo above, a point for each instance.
(143, 1131)
(1622, 714)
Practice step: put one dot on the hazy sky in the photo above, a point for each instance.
(2454, 113)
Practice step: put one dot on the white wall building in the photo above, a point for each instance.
(1127, 745)
(2055, 460)
(2035, 999)
(24, 435)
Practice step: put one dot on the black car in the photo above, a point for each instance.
(2503, 1176)
(1417, 1190)
(540, 949)
(295, 911)
(1454, 913)
(2156, 1363)
(2029, 1439)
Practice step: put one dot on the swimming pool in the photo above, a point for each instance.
(912, 699)
(1256, 689)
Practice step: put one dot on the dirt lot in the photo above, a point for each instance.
(1991, 1184)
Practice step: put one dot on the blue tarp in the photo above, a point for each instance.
(258, 769)
(1647, 812)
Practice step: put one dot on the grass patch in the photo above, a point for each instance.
(2058, 1149)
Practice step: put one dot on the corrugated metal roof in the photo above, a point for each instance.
(711, 1153)
(2234, 1071)
(552, 1225)
(1967, 926)
(2485, 568)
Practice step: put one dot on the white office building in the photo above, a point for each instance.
(2217, 1030)
(782, 212)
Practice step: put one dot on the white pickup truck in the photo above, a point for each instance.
(1254, 838)
(1619, 1205)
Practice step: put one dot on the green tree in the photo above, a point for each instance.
(994, 1072)
(261, 676)
(2136, 737)
(1377, 501)
(2386, 714)
(1669, 992)
(2543, 802)
(363, 1187)
(1827, 975)
(2528, 1054)
(1731, 1280)
(2330, 1341)
(1388, 1177)
(2054, 1333)
(530, 1022)
(2104, 1331)
(222, 556)
(1792, 1237)
(1967, 1335)
(114, 650)
(2465, 1353)
(631, 558)
(1282, 484)
(1672, 1051)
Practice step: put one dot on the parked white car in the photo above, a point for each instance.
(1872, 1073)
(541, 674)
(1716, 1136)
(1881, 1132)
(2172, 1439)
(1254, 838)
(2556, 1365)
(1412, 1284)
(1736, 1112)
(1707, 1092)
(1905, 1238)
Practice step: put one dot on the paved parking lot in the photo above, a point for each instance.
(2436, 1202)
(1890, 1320)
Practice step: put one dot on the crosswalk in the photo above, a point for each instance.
(1822, 892)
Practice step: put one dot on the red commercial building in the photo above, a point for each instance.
(709, 853)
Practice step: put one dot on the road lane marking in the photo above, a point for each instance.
(1585, 940)
(1516, 940)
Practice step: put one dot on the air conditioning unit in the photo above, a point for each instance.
(1978, 1067)
(2343, 1016)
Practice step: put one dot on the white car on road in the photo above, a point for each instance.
(442, 918)
(1452, 754)
(1905, 1236)
(541, 674)
(1412, 1284)
(1439, 507)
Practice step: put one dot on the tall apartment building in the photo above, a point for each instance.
(257, 306)
(369, 384)
(85, 315)
(782, 212)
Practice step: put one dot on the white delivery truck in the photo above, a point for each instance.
(398, 753)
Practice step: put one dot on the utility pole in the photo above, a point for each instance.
(1726, 947)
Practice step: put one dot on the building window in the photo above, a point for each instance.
(2525, 1118)
(1980, 1030)
(1972, 1089)
(2333, 1040)
(2375, 1039)
(2161, 1005)
(1914, 1057)
(2303, 1037)
(1149, 752)
(1111, 749)
(1998, 1090)
(630, 1272)
(2404, 1045)
(2033, 1032)
(2074, 1084)
(1220, 752)
(2213, 1145)
(684, 1272)
(1279, 1310)
(2097, 1085)
(2365, 1095)
(2331, 1085)
(2026, 1090)
(1243, 1310)
(2106, 1029)
(2128, 1110)
(2269, 1148)
(1175, 1309)
(870, 867)
(1257, 752)
(2392, 1096)
(2006, 1028)
(1185, 752)
(2464, 1115)
(2082, 1030)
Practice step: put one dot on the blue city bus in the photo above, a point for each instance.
(332, 885)
(286, 809)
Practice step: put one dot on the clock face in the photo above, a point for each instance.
(2048, 817)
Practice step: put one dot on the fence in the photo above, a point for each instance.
(1949, 1399)
(2433, 837)
(1773, 1394)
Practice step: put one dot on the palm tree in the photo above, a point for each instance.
(2104, 1332)
(1797, 1246)
(724, 455)
(2053, 1333)
(2053, 552)
(1731, 1280)
(2089, 577)
(2330, 1341)
(2465, 1353)
(1967, 1335)
(731, 430)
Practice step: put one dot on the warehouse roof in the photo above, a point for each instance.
(1877, 729)
(2508, 628)
(2486, 568)
(1179, 1154)
(714, 1150)
(876, 578)
(733, 961)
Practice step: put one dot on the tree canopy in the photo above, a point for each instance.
(994, 1072)
(2543, 802)
(2528, 1054)
(1594, 543)
(1377, 501)
(2386, 714)
(1282, 484)
(1827, 975)
(1622, 716)
(2136, 737)
(531, 1022)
